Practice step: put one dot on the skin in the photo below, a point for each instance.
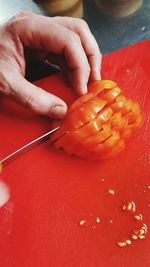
(67, 42)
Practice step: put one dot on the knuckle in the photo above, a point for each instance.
(82, 24)
(22, 14)
(13, 22)
(73, 38)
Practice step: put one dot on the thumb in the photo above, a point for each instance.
(38, 99)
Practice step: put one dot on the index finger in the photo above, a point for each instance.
(39, 32)
(88, 41)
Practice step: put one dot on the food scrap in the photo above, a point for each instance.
(124, 243)
(111, 192)
(134, 237)
(98, 220)
(129, 242)
(138, 234)
(98, 123)
(82, 222)
(138, 217)
(130, 206)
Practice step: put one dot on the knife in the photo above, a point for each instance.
(5, 161)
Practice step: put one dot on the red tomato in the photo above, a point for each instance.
(98, 123)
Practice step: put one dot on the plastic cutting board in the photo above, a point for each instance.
(51, 192)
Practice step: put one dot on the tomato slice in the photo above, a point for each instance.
(119, 103)
(96, 105)
(111, 94)
(105, 115)
(97, 138)
(101, 85)
(116, 150)
(126, 133)
(75, 120)
(92, 127)
(79, 102)
(138, 123)
(69, 149)
(115, 119)
(94, 89)
(58, 134)
(77, 135)
(108, 144)
(127, 107)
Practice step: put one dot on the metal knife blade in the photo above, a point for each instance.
(5, 161)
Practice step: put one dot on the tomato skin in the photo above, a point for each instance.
(101, 85)
(98, 123)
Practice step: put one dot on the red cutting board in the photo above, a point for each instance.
(50, 191)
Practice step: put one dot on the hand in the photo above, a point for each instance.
(62, 40)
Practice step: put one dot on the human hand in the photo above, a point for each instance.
(65, 41)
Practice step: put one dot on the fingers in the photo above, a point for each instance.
(37, 99)
(43, 33)
(88, 41)
(78, 63)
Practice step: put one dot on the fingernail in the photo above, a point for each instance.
(96, 75)
(58, 112)
(83, 90)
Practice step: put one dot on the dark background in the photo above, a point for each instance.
(111, 34)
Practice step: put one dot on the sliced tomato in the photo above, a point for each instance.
(127, 107)
(69, 149)
(91, 127)
(94, 89)
(111, 94)
(119, 103)
(79, 102)
(105, 115)
(96, 105)
(123, 124)
(108, 144)
(126, 133)
(138, 123)
(62, 141)
(116, 119)
(101, 85)
(60, 132)
(116, 150)
(98, 123)
(97, 138)
(75, 120)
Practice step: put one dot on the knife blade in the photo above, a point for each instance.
(11, 157)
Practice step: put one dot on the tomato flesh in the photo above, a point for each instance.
(98, 123)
